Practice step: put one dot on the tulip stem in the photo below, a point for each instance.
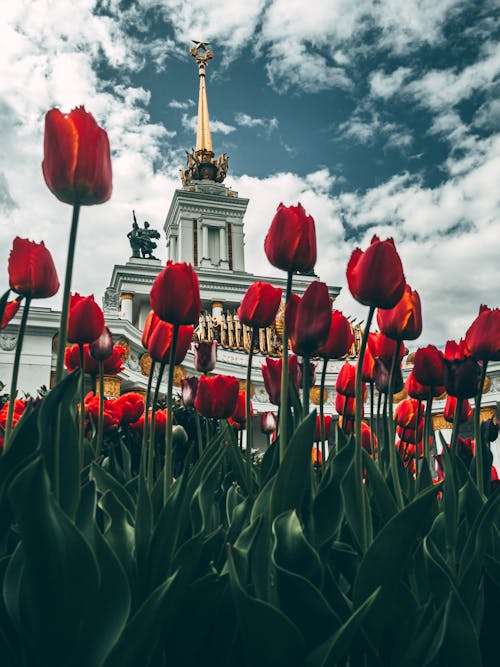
(427, 429)
(456, 425)
(283, 424)
(145, 429)
(198, 433)
(152, 439)
(15, 372)
(248, 415)
(81, 423)
(372, 422)
(322, 411)
(358, 455)
(392, 435)
(305, 385)
(61, 343)
(100, 422)
(478, 451)
(167, 477)
(419, 417)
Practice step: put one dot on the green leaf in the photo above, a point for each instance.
(424, 646)
(384, 563)
(143, 530)
(461, 643)
(331, 652)
(293, 552)
(119, 533)
(293, 477)
(57, 423)
(237, 464)
(270, 462)
(380, 492)
(282, 647)
(353, 508)
(106, 482)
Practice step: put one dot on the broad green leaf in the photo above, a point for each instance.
(293, 552)
(270, 462)
(106, 482)
(237, 464)
(119, 533)
(461, 643)
(143, 529)
(353, 507)
(425, 645)
(283, 646)
(378, 489)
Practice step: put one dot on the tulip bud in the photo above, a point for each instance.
(268, 422)
(102, 348)
(382, 373)
(205, 356)
(189, 387)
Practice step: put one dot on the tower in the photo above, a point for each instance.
(204, 225)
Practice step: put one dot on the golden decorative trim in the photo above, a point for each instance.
(217, 304)
(487, 384)
(111, 386)
(400, 396)
(179, 374)
(126, 296)
(315, 395)
(243, 387)
(145, 363)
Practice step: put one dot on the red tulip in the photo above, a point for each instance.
(175, 294)
(346, 405)
(76, 163)
(11, 308)
(130, 406)
(239, 412)
(290, 243)
(151, 321)
(271, 372)
(205, 356)
(31, 269)
(383, 347)
(102, 348)
(160, 422)
(259, 305)
(483, 336)
(111, 366)
(189, 387)
(19, 407)
(328, 426)
(85, 321)
(375, 277)
(111, 417)
(160, 342)
(419, 391)
(346, 380)
(268, 422)
(340, 337)
(368, 366)
(308, 319)
(217, 396)
(404, 320)
(428, 366)
(462, 373)
(407, 413)
(450, 409)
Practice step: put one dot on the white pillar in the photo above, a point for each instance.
(222, 243)
(126, 306)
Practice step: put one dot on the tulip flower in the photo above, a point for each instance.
(375, 276)
(217, 396)
(175, 294)
(260, 305)
(160, 422)
(17, 409)
(86, 320)
(102, 348)
(346, 405)
(77, 163)
(290, 243)
(407, 413)
(328, 426)
(189, 387)
(151, 321)
(462, 374)
(483, 336)
(428, 366)
(130, 407)
(383, 347)
(271, 372)
(11, 308)
(450, 409)
(404, 320)
(382, 373)
(205, 356)
(32, 272)
(239, 413)
(340, 337)
(308, 319)
(421, 391)
(316, 456)
(268, 422)
(160, 342)
(368, 366)
(346, 380)
(111, 417)
(111, 366)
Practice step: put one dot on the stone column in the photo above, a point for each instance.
(223, 263)
(126, 306)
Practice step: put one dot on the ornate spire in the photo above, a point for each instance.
(200, 163)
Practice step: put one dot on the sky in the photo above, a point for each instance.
(379, 117)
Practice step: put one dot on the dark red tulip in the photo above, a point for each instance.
(346, 405)
(129, 406)
(404, 320)
(308, 319)
(462, 374)
(346, 380)
(259, 305)
(375, 277)
(151, 321)
(407, 413)
(268, 422)
(76, 163)
(328, 426)
(290, 243)
(271, 372)
(217, 396)
(368, 366)
(383, 347)
(102, 348)
(32, 271)
(175, 294)
(160, 422)
(239, 413)
(428, 366)
(160, 342)
(382, 374)
(112, 365)
(85, 321)
(450, 409)
(340, 337)
(189, 387)
(205, 356)
(11, 308)
(483, 336)
(419, 391)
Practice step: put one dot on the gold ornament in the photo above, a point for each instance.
(145, 363)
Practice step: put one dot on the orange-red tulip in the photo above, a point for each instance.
(404, 320)
(340, 337)
(32, 271)
(483, 336)
(11, 308)
(85, 321)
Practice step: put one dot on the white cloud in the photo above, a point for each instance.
(366, 126)
(386, 85)
(177, 104)
(190, 123)
(266, 124)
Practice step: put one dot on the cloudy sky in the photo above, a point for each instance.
(380, 117)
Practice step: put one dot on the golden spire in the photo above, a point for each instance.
(202, 55)
(200, 163)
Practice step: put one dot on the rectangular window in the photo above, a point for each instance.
(195, 242)
(230, 246)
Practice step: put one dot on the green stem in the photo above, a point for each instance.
(167, 477)
(145, 430)
(305, 385)
(392, 436)
(100, 423)
(419, 416)
(198, 433)
(248, 416)
(322, 411)
(456, 425)
(61, 344)
(283, 424)
(15, 372)
(380, 441)
(81, 423)
(152, 439)
(358, 460)
(427, 429)
(478, 452)
(372, 423)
